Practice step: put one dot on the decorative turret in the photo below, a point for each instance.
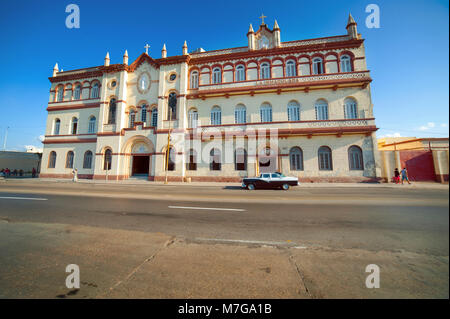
(185, 48)
(125, 58)
(351, 27)
(107, 59)
(251, 38)
(55, 69)
(276, 35)
(164, 52)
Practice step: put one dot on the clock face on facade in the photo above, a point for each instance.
(143, 83)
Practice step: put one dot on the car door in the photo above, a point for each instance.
(277, 180)
(265, 181)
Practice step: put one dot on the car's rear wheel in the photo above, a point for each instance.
(285, 187)
(251, 187)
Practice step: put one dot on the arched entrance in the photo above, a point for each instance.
(139, 151)
(267, 160)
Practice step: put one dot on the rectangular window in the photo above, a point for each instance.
(321, 112)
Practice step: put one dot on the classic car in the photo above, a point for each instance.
(270, 180)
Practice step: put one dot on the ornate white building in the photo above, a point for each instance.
(300, 107)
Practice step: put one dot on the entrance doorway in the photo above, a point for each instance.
(140, 165)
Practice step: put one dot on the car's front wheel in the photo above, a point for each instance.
(251, 187)
(285, 187)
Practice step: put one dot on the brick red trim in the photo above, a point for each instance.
(81, 176)
(73, 107)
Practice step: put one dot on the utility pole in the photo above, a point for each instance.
(5, 139)
(168, 145)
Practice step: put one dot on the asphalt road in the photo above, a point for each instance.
(414, 220)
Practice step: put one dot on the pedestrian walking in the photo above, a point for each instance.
(33, 173)
(396, 176)
(75, 175)
(405, 175)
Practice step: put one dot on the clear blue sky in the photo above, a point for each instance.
(408, 56)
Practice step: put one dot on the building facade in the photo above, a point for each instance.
(300, 107)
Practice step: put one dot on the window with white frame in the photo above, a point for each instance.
(132, 118)
(290, 68)
(92, 122)
(52, 159)
(296, 159)
(194, 80)
(240, 114)
(94, 92)
(112, 111)
(69, 159)
(240, 73)
(325, 159)
(192, 118)
(56, 127)
(346, 65)
(265, 71)
(155, 117)
(217, 76)
(350, 109)
(143, 113)
(87, 160)
(355, 158)
(321, 108)
(77, 93)
(266, 113)
(317, 66)
(293, 111)
(60, 94)
(74, 126)
(216, 116)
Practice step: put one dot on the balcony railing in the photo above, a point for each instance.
(306, 79)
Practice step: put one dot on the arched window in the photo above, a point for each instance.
(170, 166)
(92, 122)
(52, 159)
(240, 159)
(325, 159)
(107, 161)
(172, 109)
(192, 118)
(240, 73)
(87, 160)
(94, 92)
(144, 113)
(69, 159)
(240, 114)
(112, 111)
(346, 65)
(217, 76)
(77, 93)
(74, 127)
(216, 116)
(266, 113)
(215, 160)
(56, 127)
(191, 164)
(155, 117)
(296, 159)
(290, 68)
(60, 94)
(293, 111)
(321, 110)
(317, 66)
(355, 158)
(194, 80)
(265, 71)
(131, 118)
(350, 109)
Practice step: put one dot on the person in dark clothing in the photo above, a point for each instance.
(396, 176)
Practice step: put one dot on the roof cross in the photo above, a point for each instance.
(146, 48)
(262, 18)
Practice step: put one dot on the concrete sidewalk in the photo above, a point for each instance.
(141, 182)
(130, 264)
